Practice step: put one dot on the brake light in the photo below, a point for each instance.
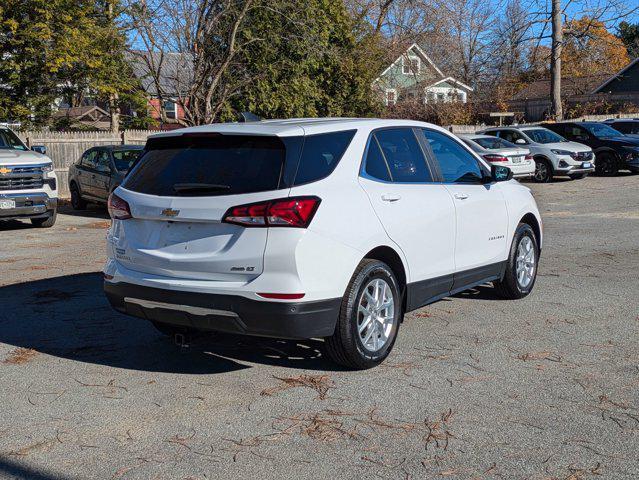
(118, 208)
(528, 158)
(284, 212)
(491, 157)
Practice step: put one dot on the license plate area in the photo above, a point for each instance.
(517, 159)
(7, 204)
(586, 165)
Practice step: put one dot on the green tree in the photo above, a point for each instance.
(54, 49)
(629, 35)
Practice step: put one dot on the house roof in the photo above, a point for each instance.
(615, 76)
(86, 112)
(439, 76)
(175, 71)
(570, 86)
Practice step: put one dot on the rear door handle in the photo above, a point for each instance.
(390, 198)
(461, 196)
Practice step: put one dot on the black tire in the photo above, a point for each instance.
(77, 202)
(606, 165)
(47, 222)
(543, 171)
(509, 286)
(345, 346)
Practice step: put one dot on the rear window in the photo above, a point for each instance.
(494, 143)
(208, 165)
(215, 164)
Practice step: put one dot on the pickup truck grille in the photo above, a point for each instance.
(21, 178)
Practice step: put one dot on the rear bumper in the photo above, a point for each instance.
(225, 313)
(28, 205)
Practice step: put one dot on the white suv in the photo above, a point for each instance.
(314, 228)
(553, 154)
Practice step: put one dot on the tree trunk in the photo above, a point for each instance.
(556, 110)
(114, 110)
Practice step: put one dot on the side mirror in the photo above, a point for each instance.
(520, 141)
(39, 149)
(499, 173)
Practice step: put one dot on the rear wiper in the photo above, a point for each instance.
(199, 187)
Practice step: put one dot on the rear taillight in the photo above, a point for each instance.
(491, 157)
(284, 212)
(118, 208)
(528, 158)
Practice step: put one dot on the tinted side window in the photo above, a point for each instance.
(403, 155)
(88, 159)
(321, 154)
(375, 164)
(455, 162)
(510, 135)
(102, 161)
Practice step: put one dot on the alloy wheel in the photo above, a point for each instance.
(525, 262)
(376, 315)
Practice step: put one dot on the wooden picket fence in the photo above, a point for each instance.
(66, 147)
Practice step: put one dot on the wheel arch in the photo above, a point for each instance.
(391, 258)
(531, 219)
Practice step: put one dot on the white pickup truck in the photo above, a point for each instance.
(28, 185)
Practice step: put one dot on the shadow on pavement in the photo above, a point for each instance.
(69, 317)
(12, 469)
(93, 210)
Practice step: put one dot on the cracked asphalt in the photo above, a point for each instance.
(542, 388)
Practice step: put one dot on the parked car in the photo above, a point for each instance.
(615, 151)
(553, 154)
(627, 126)
(313, 228)
(498, 151)
(28, 184)
(99, 171)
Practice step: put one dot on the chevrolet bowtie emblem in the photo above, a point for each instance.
(5, 170)
(169, 212)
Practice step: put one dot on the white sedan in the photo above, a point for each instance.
(501, 152)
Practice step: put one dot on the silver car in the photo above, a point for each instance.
(553, 154)
(501, 152)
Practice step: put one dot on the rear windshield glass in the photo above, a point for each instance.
(215, 164)
(208, 165)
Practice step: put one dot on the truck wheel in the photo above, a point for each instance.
(369, 317)
(606, 165)
(543, 171)
(45, 222)
(521, 270)
(77, 202)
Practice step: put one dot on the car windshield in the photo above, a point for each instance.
(124, 159)
(493, 143)
(601, 130)
(9, 140)
(543, 135)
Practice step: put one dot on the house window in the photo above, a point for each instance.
(411, 65)
(430, 97)
(391, 96)
(441, 97)
(170, 109)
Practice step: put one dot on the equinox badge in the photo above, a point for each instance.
(169, 212)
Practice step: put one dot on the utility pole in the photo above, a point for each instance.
(555, 62)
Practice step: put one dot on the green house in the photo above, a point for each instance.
(413, 76)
